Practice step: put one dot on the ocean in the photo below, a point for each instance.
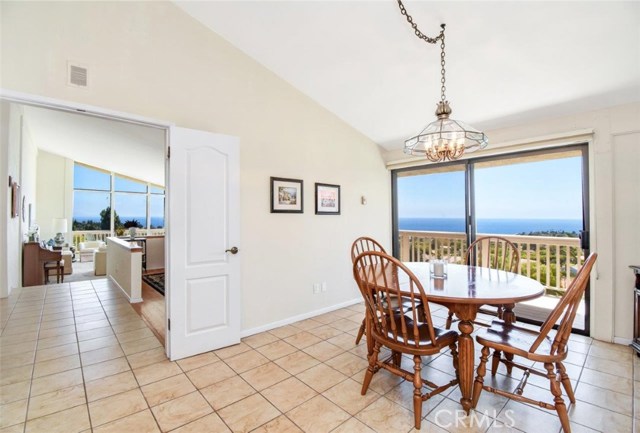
(491, 226)
(155, 221)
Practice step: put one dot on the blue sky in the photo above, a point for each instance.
(88, 204)
(542, 189)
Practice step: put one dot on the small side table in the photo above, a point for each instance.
(636, 311)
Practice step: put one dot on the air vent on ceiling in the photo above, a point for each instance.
(78, 75)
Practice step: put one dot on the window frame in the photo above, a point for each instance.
(112, 193)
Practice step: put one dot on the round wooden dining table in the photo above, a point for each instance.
(464, 290)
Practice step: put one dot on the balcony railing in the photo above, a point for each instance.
(102, 235)
(553, 261)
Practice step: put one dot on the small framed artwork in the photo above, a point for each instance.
(286, 195)
(327, 199)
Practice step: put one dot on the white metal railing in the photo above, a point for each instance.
(102, 235)
(553, 261)
(90, 235)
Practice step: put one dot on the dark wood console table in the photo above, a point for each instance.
(636, 311)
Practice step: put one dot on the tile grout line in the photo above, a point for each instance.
(84, 382)
(115, 334)
(343, 351)
(33, 367)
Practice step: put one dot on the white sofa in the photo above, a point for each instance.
(87, 248)
(100, 261)
(67, 256)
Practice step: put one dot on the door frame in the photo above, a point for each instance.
(121, 116)
(468, 164)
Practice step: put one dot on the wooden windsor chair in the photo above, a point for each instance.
(359, 246)
(379, 277)
(538, 346)
(492, 252)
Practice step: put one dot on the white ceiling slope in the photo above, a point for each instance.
(507, 62)
(133, 150)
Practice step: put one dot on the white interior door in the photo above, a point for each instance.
(203, 223)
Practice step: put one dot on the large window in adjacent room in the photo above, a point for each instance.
(91, 199)
(156, 208)
(112, 202)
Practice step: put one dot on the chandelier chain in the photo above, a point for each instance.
(417, 31)
(443, 80)
(429, 40)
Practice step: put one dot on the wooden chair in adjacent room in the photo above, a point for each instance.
(538, 346)
(379, 277)
(492, 252)
(57, 266)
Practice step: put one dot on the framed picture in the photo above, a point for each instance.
(327, 199)
(286, 195)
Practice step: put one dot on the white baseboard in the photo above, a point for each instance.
(299, 317)
(134, 300)
(624, 341)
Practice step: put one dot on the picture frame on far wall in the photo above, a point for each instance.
(327, 199)
(287, 195)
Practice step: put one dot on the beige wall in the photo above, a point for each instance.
(124, 267)
(614, 150)
(28, 188)
(18, 160)
(151, 59)
(55, 193)
(4, 198)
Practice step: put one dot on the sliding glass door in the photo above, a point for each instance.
(537, 200)
(431, 202)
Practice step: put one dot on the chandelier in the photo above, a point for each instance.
(444, 138)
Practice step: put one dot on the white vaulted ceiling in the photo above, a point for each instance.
(507, 62)
(133, 150)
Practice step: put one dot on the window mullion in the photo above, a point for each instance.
(111, 204)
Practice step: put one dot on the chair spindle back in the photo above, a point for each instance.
(566, 310)
(493, 252)
(363, 244)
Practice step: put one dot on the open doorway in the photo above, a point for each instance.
(202, 266)
(97, 185)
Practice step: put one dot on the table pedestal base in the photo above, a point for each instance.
(466, 314)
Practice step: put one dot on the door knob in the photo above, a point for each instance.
(233, 250)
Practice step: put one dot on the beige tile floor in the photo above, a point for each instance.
(76, 357)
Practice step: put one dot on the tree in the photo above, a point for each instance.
(105, 219)
(85, 225)
(132, 223)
